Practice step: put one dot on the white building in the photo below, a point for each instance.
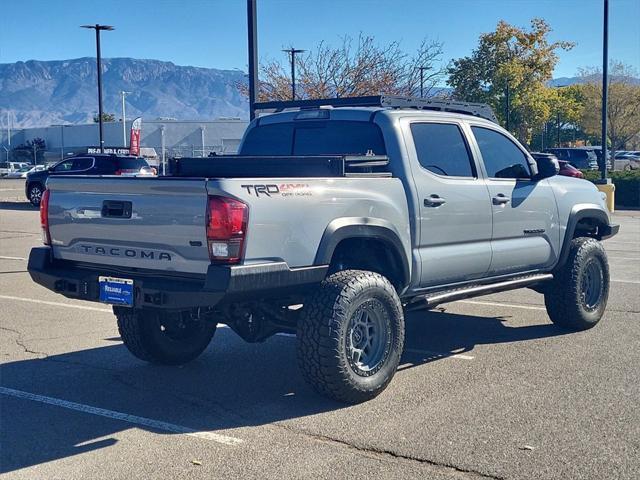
(179, 137)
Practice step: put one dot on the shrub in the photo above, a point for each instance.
(627, 186)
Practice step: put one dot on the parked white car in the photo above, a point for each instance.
(9, 167)
(22, 172)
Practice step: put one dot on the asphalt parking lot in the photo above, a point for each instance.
(488, 388)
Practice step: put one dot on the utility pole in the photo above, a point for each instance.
(124, 119)
(422, 69)
(558, 125)
(162, 146)
(97, 27)
(508, 108)
(202, 139)
(605, 87)
(8, 129)
(292, 52)
(252, 46)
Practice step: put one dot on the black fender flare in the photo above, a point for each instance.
(580, 212)
(344, 228)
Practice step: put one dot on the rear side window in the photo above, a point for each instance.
(441, 149)
(578, 154)
(82, 163)
(501, 157)
(558, 152)
(314, 138)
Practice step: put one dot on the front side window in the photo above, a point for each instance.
(442, 150)
(502, 158)
(64, 166)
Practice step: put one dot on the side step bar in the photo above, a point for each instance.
(430, 300)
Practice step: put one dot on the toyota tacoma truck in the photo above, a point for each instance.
(336, 218)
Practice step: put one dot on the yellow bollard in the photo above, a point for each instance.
(610, 190)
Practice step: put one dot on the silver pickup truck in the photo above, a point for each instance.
(336, 218)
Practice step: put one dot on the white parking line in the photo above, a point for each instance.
(500, 304)
(626, 281)
(125, 417)
(12, 258)
(55, 304)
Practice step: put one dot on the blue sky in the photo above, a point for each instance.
(212, 33)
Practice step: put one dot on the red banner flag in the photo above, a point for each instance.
(134, 140)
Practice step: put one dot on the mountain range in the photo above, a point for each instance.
(41, 93)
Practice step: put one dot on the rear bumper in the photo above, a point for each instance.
(221, 284)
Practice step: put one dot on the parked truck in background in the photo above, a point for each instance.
(336, 218)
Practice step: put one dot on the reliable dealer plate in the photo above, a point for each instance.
(116, 291)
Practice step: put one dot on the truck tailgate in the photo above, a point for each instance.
(150, 223)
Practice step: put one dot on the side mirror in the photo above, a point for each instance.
(547, 164)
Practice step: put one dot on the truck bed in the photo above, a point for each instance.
(245, 166)
(159, 223)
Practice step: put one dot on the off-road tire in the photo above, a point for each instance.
(323, 335)
(142, 335)
(566, 299)
(35, 199)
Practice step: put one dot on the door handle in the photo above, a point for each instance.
(501, 199)
(434, 201)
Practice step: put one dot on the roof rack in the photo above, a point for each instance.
(389, 101)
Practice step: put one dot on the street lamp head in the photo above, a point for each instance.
(98, 27)
(293, 50)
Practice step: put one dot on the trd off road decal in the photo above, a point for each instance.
(283, 189)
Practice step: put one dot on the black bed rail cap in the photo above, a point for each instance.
(383, 101)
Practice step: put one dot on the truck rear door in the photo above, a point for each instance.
(145, 223)
(454, 241)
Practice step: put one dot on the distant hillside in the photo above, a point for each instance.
(42, 93)
(566, 81)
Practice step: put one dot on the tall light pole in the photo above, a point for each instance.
(97, 27)
(202, 139)
(124, 119)
(292, 52)
(422, 69)
(605, 78)
(8, 129)
(252, 46)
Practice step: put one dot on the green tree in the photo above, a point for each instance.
(513, 61)
(623, 110)
(106, 117)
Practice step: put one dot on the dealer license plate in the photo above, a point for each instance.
(116, 291)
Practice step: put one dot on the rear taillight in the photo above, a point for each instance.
(118, 172)
(226, 229)
(44, 217)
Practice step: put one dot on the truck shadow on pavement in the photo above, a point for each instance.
(4, 205)
(232, 385)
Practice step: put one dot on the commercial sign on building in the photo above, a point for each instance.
(109, 150)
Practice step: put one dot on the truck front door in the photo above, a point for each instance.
(454, 234)
(525, 216)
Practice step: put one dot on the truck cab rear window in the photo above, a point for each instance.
(334, 137)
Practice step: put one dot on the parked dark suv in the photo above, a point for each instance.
(85, 165)
(578, 157)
